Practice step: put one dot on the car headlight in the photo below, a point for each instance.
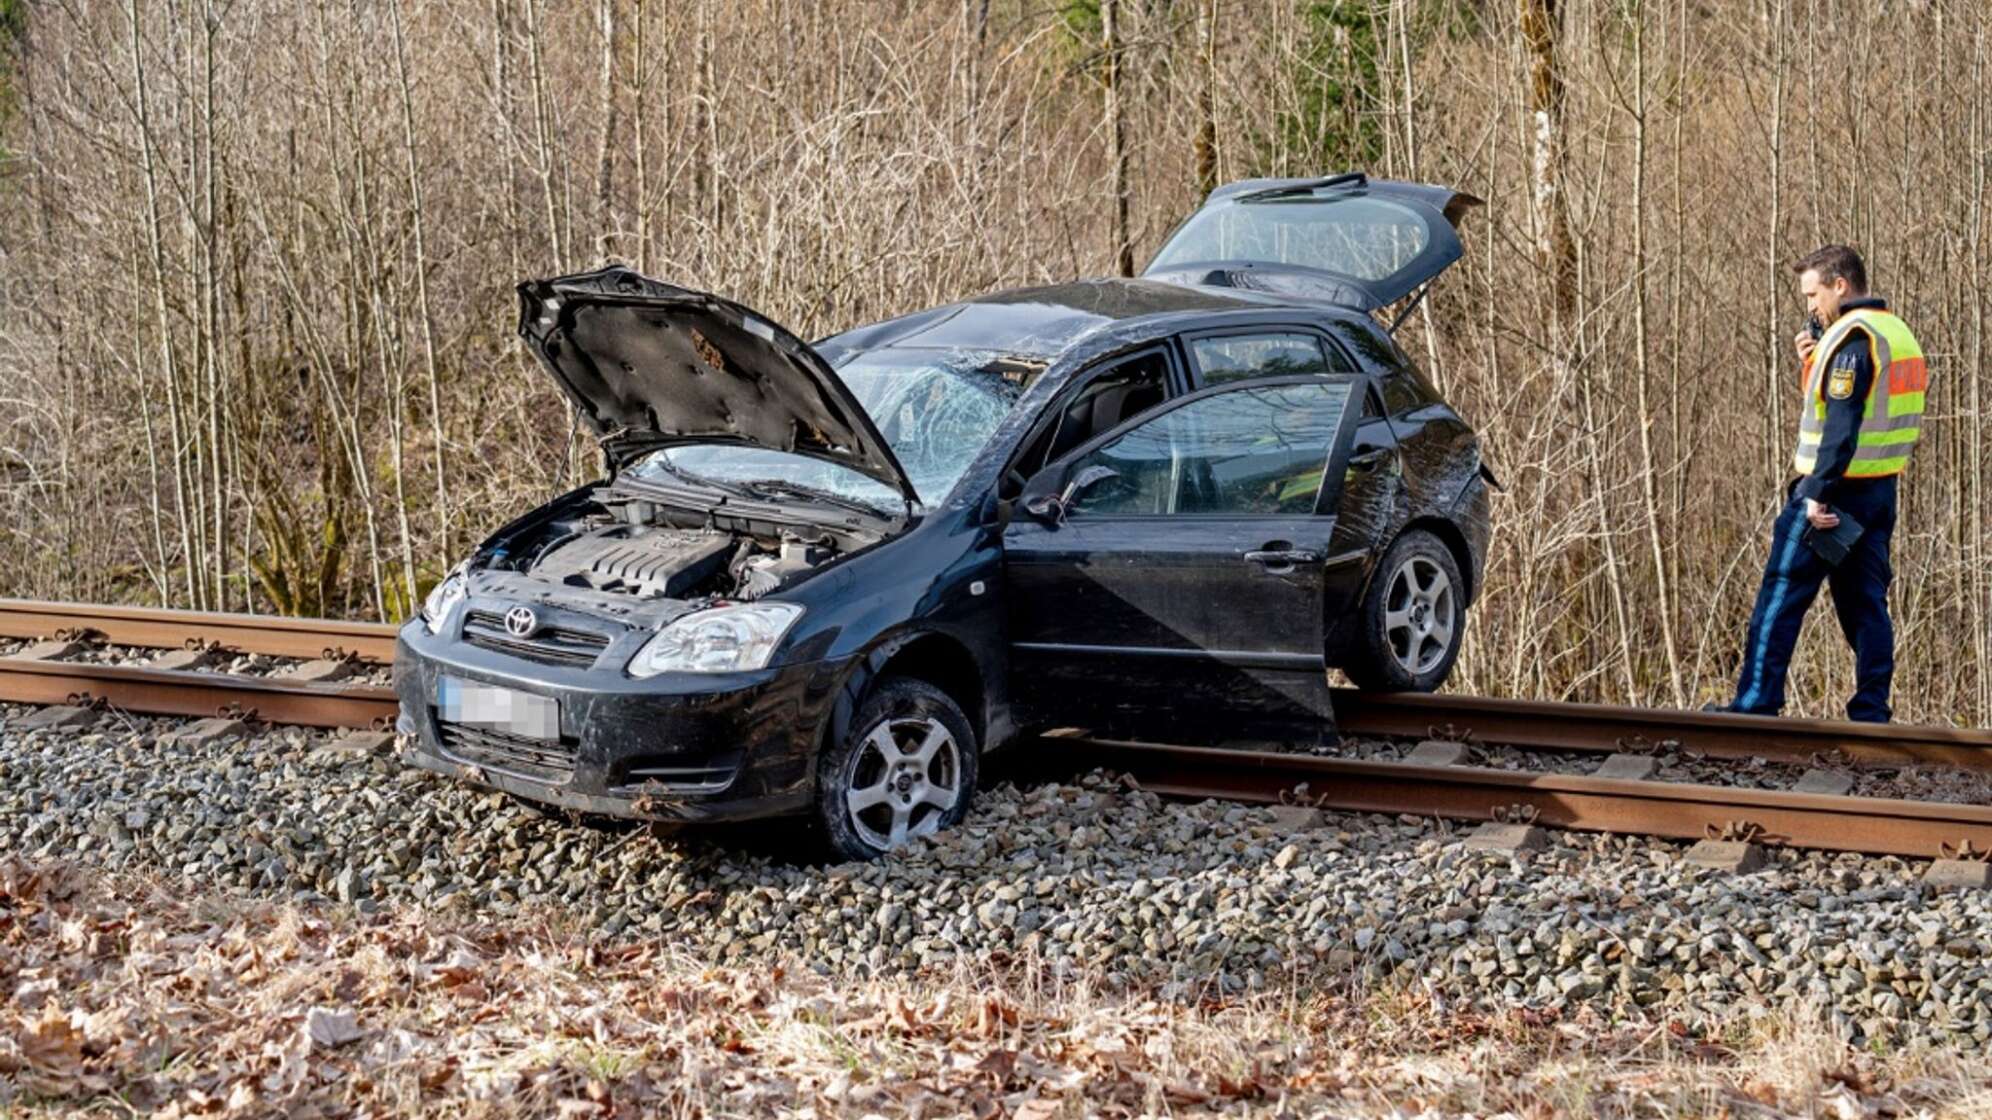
(442, 599)
(717, 640)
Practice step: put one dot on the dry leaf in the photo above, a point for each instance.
(998, 1064)
(52, 1043)
(327, 1028)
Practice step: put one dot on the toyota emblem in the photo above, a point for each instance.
(520, 622)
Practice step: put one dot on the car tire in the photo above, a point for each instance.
(875, 791)
(1412, 619)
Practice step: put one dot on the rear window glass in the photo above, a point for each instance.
(1367, 238)
(1237, 357)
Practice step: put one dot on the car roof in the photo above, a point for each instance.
(1044, 322)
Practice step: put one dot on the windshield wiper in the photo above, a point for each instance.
(776, 488)
(1287, 190)
(680, 474)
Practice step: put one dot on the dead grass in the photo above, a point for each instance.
(128, 995)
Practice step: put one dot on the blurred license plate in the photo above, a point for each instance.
(500, 709)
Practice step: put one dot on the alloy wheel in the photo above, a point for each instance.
(1419, 615)
(902, 780)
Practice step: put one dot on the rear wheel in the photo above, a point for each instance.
(1413, 618)
(906, 768)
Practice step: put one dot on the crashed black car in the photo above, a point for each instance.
(826, 578)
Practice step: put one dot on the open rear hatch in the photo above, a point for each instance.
(651, 365)
(1345, 239)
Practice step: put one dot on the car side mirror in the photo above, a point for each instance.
(995, 510)
(1087, 479)
(1052, 508)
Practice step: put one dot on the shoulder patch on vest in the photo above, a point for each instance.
(1840, 385)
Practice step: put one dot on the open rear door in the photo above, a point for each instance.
(1346, 239)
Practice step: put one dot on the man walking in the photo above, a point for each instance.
(1864, 382)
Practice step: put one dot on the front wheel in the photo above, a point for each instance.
(906, 768)
(1412, 619)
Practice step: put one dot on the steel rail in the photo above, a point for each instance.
(191, 693)
(1672, 809)
(1567, 726)
(1543, 725)
(167, 629)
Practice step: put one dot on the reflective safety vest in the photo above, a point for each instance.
(1892, 416)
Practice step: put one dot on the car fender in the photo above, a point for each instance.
(862, 673)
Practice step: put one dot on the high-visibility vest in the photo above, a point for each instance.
(1892, 416)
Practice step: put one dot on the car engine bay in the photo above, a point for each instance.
(625, 543)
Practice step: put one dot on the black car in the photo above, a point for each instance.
(825, 578)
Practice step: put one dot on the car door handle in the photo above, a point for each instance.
(1368, 460)
(1282, 557)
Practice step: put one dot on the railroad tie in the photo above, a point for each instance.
(53, 650)
(199, 657)
(203, 732)
(1513, 830)
(1733, 849)
(1960, 866)
(361, 744)
(320, 671)
(1624, 766)
(1290, 819)
(1438, 752)
(64, 717)
(1832, 783)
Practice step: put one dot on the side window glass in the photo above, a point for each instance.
(1119, 393)
(1400, 395)
(1371, 409)
(1236, 357)
(1255, 449)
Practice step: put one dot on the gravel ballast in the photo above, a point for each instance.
(1088, 878)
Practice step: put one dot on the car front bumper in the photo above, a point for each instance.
(682, 747)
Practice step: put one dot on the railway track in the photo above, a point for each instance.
(166, 629)
(1671, 809)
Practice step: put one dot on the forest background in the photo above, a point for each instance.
(257, 257)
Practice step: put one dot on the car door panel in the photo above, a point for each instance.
(1130, 614)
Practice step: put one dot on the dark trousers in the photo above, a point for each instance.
(1792, 576)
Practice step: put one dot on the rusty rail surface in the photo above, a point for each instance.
(1681, 810)
(166, 629)
(1672, 809)
(179, 692)
(1566, 726)
(1547, 725)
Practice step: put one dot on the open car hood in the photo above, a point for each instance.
(651, 365)
(1346, 239)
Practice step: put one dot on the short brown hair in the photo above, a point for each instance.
(1834, 262)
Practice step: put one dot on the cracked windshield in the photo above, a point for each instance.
(934, 407)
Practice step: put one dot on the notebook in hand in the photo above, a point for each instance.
(1832, 545)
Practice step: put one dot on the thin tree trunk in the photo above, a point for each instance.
(445, 547)
(1649, 491)
(639, 70)
(1123, 247)
(156, 252)
(1557, 250)
(1979, 616)
(605, 155)
(1206, 141)
(543, 134)
(1774, 280)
